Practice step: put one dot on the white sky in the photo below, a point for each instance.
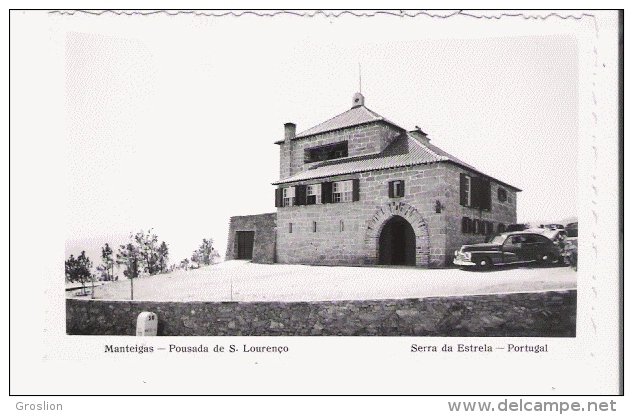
(170, 120)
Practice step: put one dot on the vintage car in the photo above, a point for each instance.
(509, 248)
(570, 253)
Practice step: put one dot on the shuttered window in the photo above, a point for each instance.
(479, 227)
(474, 192)
(313, 194)
(476, 226)
(355, 190)
(300, 195)
(326, 192)
(278, 198)
(288, 196)
(464, 190)
(466, 225)
(342, 191)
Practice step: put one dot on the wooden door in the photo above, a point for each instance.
(245, 244)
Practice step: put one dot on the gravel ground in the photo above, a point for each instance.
(245, 281)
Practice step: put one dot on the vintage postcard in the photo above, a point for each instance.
(325, 202)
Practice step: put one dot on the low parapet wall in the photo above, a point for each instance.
(546, 314)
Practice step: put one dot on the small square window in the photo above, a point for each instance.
(502, 194)
(396, 188)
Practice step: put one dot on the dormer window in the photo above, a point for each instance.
(328, 152)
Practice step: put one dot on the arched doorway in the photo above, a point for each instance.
(396, 245)
(384, 214)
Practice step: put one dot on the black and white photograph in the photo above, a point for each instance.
(269, 194)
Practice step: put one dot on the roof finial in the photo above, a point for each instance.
(358, 100)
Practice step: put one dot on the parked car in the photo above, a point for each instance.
(513, 227)
(572, 229)
(570, 253)
(552, 226)
(556, 235)
(509, 248)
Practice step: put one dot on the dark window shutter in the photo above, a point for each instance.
(401, 188)
(300, 194)
(486, 197)
(465, 224)
(463, 199)
(391, 189)
(278, 196)
(326, 192)
(355, 190)
(475, 192)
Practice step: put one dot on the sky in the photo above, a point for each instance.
(170, 120)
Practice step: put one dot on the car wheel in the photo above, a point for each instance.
(484, 263)
(547, 259)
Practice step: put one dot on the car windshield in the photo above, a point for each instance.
(498, 240)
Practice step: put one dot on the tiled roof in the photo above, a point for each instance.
(350, 118)
(406, 150)
(449, 157)
(403, 151)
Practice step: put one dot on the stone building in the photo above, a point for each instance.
(358, 189)
(252, 237)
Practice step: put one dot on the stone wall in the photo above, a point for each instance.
(345, 236)
(264, 243)
(548, 314)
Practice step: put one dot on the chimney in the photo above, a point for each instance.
(419, 135)
(290, 131)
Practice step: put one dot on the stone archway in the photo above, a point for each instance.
(383, 216)
(396, 244)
